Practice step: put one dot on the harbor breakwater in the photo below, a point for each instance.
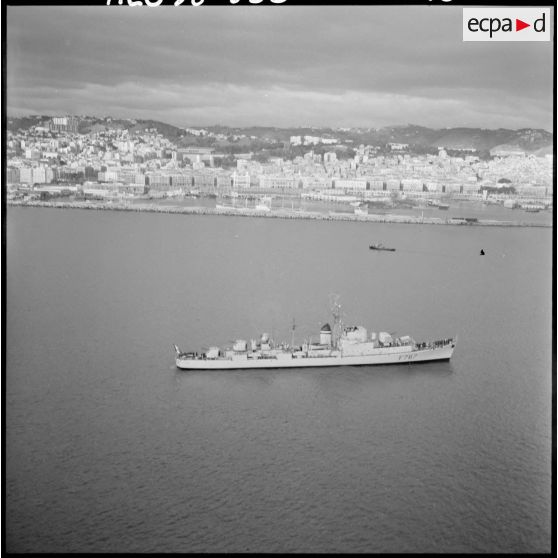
(274, 213)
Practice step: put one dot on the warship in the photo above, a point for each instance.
(338, 346)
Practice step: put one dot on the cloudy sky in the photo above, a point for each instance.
(273, 65)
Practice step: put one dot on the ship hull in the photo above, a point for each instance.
(288, 361)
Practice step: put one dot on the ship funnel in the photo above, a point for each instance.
(325, 335)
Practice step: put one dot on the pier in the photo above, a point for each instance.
(281, 213)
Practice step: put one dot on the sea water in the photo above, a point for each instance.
(111, 448)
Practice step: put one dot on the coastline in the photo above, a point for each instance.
(275, 213)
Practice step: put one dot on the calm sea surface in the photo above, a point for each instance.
(110, 448)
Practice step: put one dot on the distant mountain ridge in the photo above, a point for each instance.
(536, 141)
(481, 139)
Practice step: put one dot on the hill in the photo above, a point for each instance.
(419, 138)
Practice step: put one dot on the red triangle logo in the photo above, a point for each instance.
(519, 25)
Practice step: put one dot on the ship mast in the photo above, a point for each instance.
(337, 324)
(292, 334)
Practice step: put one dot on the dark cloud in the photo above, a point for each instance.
(190, 56)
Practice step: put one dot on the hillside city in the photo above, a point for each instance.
(53, 159)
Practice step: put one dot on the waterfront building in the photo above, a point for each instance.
(452, 188)
(432, 186)
(376, 183)
(181, 180)
(393, 184)
(268, 181)
(132, 189)
(241, 180)
(158, 181)
(352, 185)
(70, 174)
(130, 176)
(96, 193)
(12, 175)
(42, 175)
(224, 180)
(529, 190)
(204, 181)
(470, 187)
(411, 185)
(108, 176)
(316, 182)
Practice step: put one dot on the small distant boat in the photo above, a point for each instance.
(379, 246)
(443, 206)
(482, 252)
